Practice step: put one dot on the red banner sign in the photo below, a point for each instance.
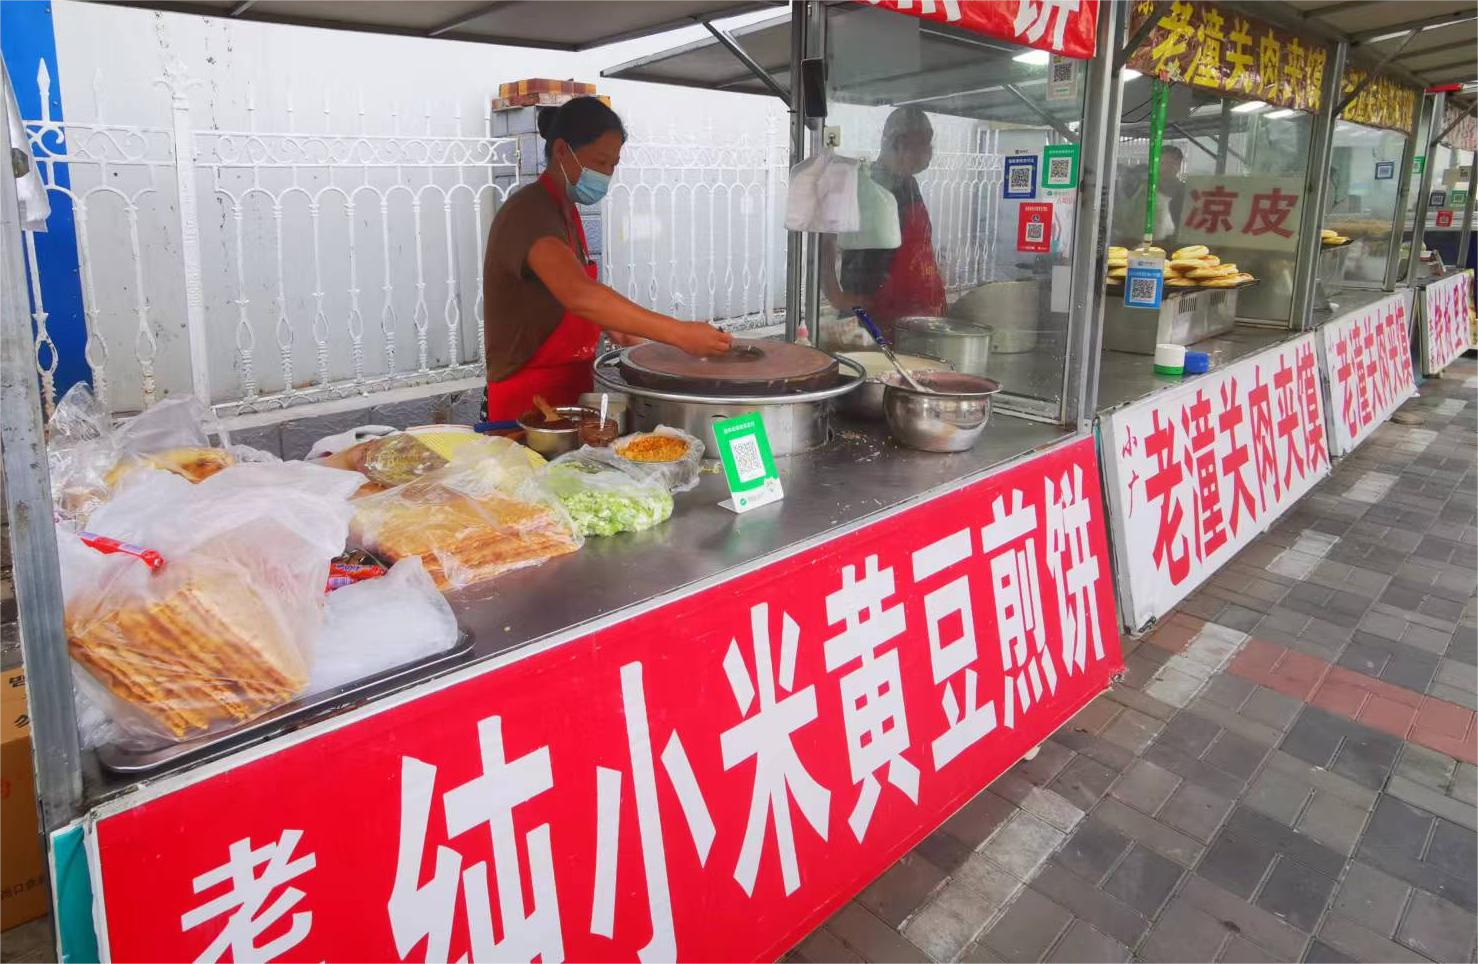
(1445, 320)
(1067, 27)
(707, 781)
(1367, 362)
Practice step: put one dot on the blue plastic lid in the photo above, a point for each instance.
(1197, 362)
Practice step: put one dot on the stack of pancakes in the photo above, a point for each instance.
(463, 534)
(1195, 266)
(194, 653)
(1331, 239)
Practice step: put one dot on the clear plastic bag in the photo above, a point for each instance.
(605, 494)
(469, 522)
(224, 631)
(677, 475)
(80, 450)
(378, 624)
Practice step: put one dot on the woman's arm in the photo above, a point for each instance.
(556, 265)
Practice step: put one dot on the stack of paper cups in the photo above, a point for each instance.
(1169, 359)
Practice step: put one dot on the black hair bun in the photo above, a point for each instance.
(547, 118)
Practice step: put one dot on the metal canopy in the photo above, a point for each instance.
(1444, 51)
(964, 74)
(547, 24)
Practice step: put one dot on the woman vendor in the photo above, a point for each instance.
(544, 307)
(893, 283)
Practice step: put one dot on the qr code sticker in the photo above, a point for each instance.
(748, 465)
(1062, 71)
(1142, 289)
(1036, 232)
(1060, 170)
(1021, 178)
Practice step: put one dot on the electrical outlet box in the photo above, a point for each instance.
(831, 136)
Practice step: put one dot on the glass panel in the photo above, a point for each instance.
(1364, 174)
(937, 115)
(1451, 170)
(1231, 178)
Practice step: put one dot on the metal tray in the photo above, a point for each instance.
(120, 758)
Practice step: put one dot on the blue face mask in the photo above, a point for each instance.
(589, 188)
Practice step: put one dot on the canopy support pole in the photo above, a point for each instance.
(795, 255)
(1424, 190)
(1316, 188)
(1103, 103)
(741, 55)
(1394, 267)
(1062, 129)
(36, 570)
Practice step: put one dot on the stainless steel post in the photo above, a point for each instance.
(1316, 185)
(1394, 266)
(794, 240)
(816, 47)
(1099, 152)
(1464, 237)
(36, 570)
(1424, 190)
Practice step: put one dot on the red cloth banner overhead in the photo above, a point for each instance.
(1067, 27)
(706, 781)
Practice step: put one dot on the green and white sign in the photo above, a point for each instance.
(749, 468)
(1060, 167)
(1418, 163)
(1459, 198)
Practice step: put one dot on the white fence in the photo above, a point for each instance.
(272, 270)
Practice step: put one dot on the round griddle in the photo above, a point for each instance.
(751, 367)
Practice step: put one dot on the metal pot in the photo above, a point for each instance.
(553, 442)
(866, 401)
(1013, 310)
(963, 344)
(794, 423)
(948, 418)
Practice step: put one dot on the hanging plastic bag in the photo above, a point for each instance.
(877, 213)
(605, 494)
(222, 633)
(80, 450)
(669, 455)
(469, 522)
(821, 194)
(379, 624)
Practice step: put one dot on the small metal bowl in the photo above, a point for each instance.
(554, 442)
(948, 418)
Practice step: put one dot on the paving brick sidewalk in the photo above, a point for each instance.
(1285, 773)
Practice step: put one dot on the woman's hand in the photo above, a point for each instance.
(622, 340)
(700, 338)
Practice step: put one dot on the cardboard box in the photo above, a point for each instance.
(539, 85)
(23, 892)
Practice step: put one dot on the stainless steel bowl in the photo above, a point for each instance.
(866, 401)
(948, 418)
(553, 442)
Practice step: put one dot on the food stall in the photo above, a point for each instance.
(1223, 147)
(1445, 321)
(692, 738)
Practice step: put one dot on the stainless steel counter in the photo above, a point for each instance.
(1126, 377)
(1347, 301)
(859, 474)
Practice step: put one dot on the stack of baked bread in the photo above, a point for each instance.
(199, 650)
(1193, 266)
(463, 524)
(1330, 238)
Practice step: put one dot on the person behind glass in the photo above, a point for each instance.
(893, 283)
(544, 308)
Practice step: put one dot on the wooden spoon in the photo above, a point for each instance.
(545, 409)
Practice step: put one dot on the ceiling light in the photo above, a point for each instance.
(1278, 114)
(1130, 73)
(1034, 57)
(1249, 107)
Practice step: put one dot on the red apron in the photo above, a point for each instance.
(561, 368)
(913, 285)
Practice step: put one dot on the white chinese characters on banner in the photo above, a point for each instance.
(428, 911)
(1074, 568)
(1010, 542)
(1367, 362)
(767, 737)
(872, 693)
(1034, 17)
(246, 900)
(1446, 320)
(1193, 474)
